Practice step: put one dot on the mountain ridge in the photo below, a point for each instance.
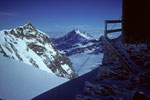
(31, 46)
(76, 41)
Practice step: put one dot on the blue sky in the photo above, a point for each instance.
(59, 15)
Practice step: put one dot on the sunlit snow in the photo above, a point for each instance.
(19, 81)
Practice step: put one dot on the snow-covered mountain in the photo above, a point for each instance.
(31, 46)
(77, 41)
(79, 46)
(20, 81)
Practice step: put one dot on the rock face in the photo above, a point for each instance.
(31, 46)
(77, 42)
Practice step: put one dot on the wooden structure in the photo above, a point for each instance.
(136, 21)
(113, 53)
(112, 30)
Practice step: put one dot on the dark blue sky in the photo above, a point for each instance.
(59, 15)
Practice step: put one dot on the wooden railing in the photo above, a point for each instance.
(117, 53)
(112, 30)
(106, 40)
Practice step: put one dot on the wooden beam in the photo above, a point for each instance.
(115, 30)
(113, 21)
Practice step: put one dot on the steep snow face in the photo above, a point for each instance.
(83, 34)
(77, 42)
(31, 46)
(20, 81)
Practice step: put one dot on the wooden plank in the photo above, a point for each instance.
(115, 30)
(113, 21)
(105, 29)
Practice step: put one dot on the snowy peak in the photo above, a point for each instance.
(82, 34)
(31, 46)
(71, 38)
(76, 42)
(29, 26)
(77, 31)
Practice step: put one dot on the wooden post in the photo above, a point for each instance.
(113, 30)
(105, 29)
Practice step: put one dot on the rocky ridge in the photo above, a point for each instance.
(76, 42)
(31, 46)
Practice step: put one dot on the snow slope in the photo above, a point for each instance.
(68, 90)
(83, 34)
(20, 81)
(31, 46)
(91, 64)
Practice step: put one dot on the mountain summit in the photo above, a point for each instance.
(29, 26)
(83, 34)
(75, 42)
(31, 46)
(67, 41)
(78, 36)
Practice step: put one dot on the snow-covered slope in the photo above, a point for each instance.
(76, 42)
(70, 89)
(79, 62)
(20, 81)
(31, 46)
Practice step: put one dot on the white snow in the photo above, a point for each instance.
(21, 48)
(66, 68)
(19, 81)
(83, 34)
(31, 46)
(43, 33)
(91, 64)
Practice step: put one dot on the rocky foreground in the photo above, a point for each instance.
(115, 82)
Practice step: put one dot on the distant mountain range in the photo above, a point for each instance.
(77, 41)
(29, 45)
